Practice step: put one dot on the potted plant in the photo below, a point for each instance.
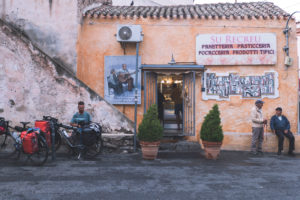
(150, 132)
(211, 133)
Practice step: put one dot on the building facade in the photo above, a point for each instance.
(225, 54)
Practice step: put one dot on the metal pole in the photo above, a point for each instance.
(136, 95)
(53, 153)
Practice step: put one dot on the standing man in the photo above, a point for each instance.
(280, 125)
(176, 96)
(81, 116)
(258, 123)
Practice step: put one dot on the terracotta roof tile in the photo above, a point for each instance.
(250, 10)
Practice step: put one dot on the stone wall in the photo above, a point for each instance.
(52, 25)
(33, 85)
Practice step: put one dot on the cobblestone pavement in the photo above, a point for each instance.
(236, 175)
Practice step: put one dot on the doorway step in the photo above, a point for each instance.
(179, 145)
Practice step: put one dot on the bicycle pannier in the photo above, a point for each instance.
(45, 127)
(90, 134)
(29, 141)
(2, 126)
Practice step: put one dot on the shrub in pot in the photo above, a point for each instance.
(150, 132)
(211, 133)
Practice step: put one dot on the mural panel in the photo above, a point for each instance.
(247, 86)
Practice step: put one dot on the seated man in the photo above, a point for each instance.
(81, 116)
(280, 125)
(114, 83)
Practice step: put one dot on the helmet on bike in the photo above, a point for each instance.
(95, 127)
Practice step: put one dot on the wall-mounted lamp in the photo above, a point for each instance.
(172, 62)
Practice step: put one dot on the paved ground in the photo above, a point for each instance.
(236, 175)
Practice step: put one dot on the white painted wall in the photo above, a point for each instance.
(31, 86)
(52, 27)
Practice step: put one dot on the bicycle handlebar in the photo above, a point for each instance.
(55, 121)
(49, 118)
(67, 127)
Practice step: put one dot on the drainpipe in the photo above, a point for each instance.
(286, 33)
(136, 95)
(286, 50)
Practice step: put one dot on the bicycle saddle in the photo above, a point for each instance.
(25, 123)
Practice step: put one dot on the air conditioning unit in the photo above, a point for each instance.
(129, 33)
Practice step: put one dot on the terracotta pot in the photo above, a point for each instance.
(149, 149)
(212, 149)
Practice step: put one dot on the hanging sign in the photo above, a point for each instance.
(236, 49)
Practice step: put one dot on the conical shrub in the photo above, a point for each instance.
(150, 130)
(211, 129)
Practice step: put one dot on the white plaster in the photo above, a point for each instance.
(31, 81)
(53, 30)
(205, 96)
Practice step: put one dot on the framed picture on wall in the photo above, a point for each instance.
(119, 79)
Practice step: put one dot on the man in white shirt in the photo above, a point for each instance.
(258, 123)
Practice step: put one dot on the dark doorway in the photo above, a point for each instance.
(170, 101)
(174, 95)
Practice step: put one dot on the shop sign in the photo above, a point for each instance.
(236, 49)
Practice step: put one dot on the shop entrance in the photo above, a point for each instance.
(174, 95)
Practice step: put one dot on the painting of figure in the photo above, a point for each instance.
(234, 79)
(251, 91)
(270, 82)
(235, 89)
(255, 80)
(120, 79)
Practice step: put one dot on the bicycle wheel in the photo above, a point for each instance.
(40, 157)
(93, 150)
(7, 146)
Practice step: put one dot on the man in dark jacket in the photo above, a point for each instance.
(280, 125)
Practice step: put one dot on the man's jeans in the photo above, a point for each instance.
(257, 137)
(280, 134)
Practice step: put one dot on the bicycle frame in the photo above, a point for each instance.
(76, 148)
(16, 145)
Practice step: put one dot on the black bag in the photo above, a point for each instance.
(2, 126)
(89, 138)
(90, 134)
